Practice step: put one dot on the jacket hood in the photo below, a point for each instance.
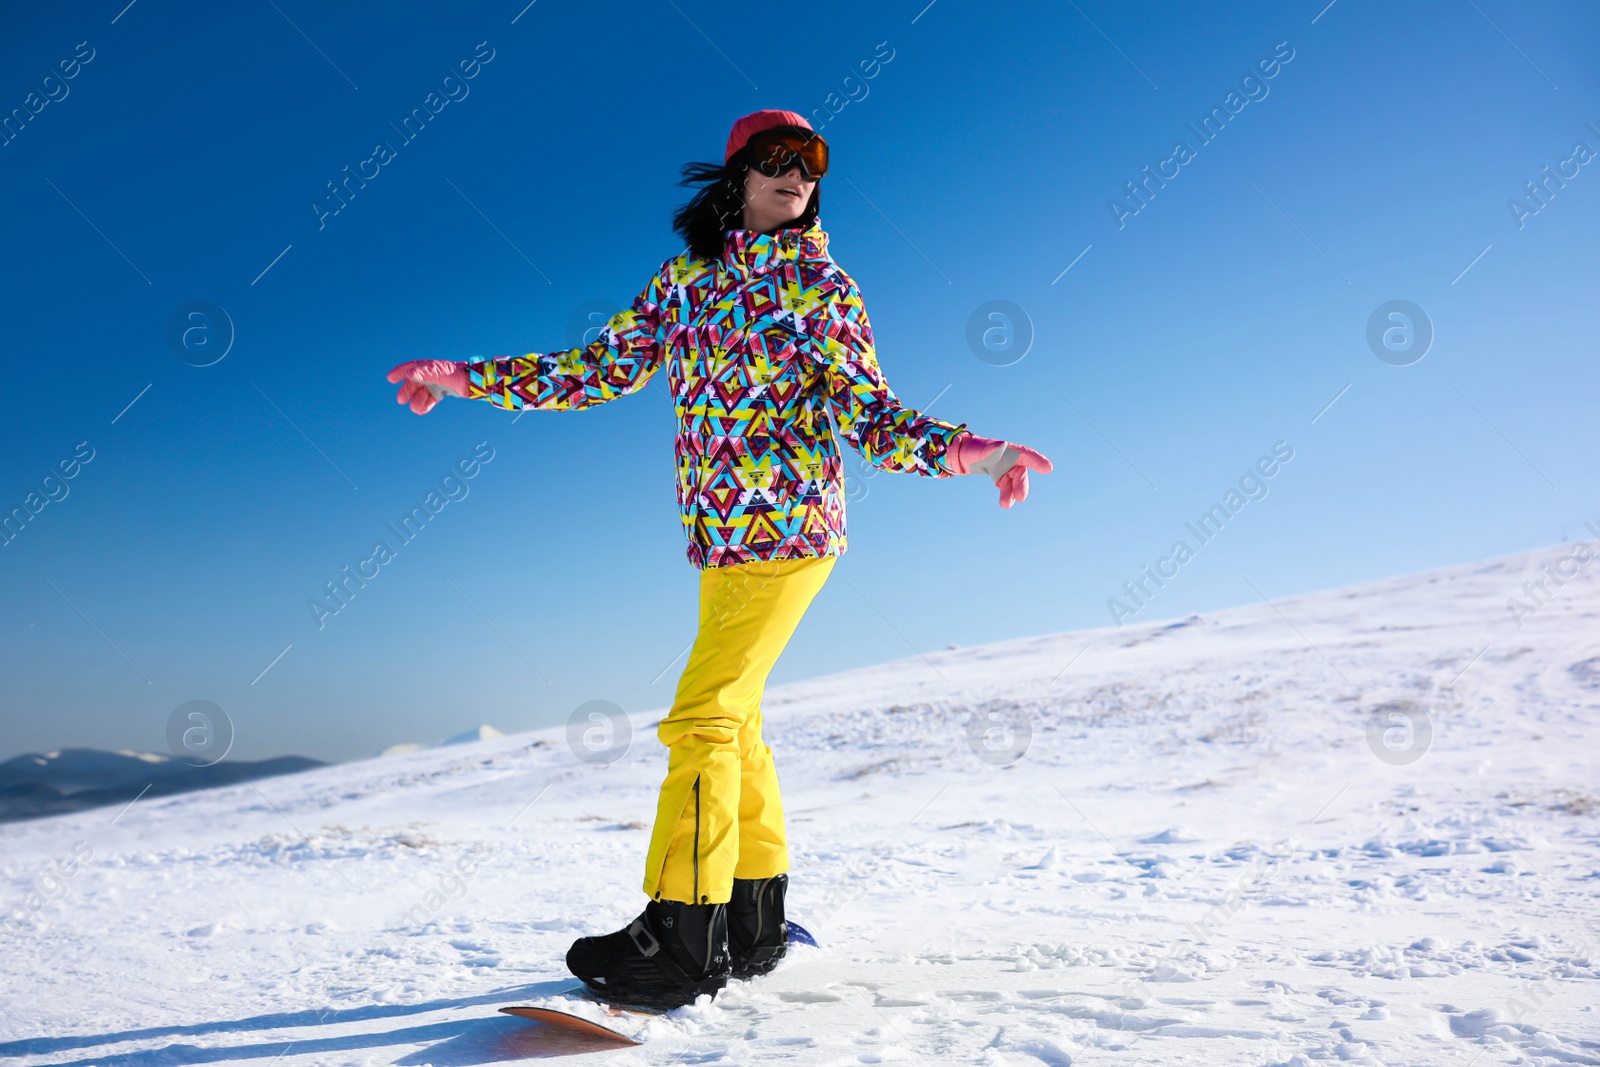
(751, 250)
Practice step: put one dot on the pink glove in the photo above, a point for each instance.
(1008, 464)
(426, 380)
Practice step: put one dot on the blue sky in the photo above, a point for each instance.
(181, 161)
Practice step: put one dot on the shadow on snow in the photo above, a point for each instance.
(456, 1043)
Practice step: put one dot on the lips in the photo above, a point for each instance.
(790, 192)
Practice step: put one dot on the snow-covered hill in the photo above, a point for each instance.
(1361, 825)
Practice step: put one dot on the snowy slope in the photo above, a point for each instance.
(1200, 857)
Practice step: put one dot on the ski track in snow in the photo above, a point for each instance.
(1199, 859)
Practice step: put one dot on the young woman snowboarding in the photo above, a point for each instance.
(769, 354)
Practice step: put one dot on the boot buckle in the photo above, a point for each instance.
(635, 931)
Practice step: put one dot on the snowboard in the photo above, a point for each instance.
(572, 1023)
(801, 934)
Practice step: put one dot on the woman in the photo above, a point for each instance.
(764, 339)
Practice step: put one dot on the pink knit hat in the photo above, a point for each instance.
(757, 121)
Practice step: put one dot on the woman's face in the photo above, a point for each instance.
(771, 202)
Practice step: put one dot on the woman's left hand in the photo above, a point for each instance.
(1004, 461)
(424, 381)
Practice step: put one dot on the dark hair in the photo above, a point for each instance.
(718, 207)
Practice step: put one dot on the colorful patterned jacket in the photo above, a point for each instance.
(762, 347)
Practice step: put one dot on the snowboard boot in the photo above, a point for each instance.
(757, 934)
(664, 959)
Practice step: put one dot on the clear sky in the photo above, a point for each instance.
(1370, 153)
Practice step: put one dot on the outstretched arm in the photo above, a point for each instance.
(869, 416)
(897, 438)
(620, 361)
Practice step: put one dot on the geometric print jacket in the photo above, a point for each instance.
(769, 354)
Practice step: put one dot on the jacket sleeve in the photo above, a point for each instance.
(620, 361)
(866, 411)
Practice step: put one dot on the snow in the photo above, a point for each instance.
(1214, 845)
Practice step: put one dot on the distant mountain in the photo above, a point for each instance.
(479, 733)
(72, 779)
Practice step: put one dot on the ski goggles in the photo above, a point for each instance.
(775, 150)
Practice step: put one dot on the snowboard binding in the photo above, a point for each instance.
(666, 958)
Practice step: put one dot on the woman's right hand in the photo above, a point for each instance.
(424, 381)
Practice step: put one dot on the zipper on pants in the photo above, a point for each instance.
(696, 858)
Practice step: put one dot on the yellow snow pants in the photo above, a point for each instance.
(719, 816)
